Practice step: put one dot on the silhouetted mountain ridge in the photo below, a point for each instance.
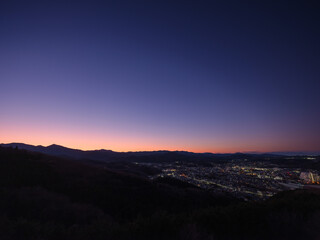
(109, 155)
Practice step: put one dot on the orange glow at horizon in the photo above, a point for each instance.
(121, 142)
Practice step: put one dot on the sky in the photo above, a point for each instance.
(202, 76)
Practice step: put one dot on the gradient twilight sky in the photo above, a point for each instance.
(216, 76)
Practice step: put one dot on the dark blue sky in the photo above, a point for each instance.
(218, 76)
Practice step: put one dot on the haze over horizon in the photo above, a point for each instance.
(26, 146)
(219, 76)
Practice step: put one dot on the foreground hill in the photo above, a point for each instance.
(46, 197)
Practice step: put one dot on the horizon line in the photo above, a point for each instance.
(165, 150)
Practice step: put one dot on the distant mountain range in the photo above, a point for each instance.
(108, 155)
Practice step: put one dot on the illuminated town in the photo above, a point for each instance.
(242, 179)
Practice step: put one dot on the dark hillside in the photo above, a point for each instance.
(46, 197)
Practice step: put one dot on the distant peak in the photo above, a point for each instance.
(55, 146)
